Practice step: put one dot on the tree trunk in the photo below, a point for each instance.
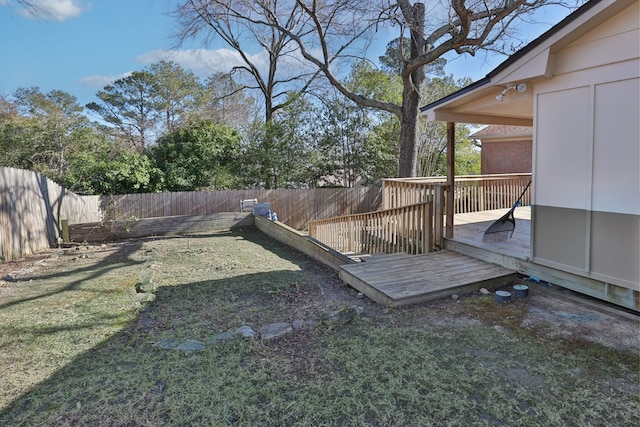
(268, 105)
(408, 158)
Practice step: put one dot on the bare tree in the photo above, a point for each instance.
(42, 9)
(242, 25)
(327, 33)
(227, 102)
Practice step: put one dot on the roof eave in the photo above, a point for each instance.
(436, 111)
(446, 116)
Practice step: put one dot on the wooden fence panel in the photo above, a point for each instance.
(294, 207)
(31, 208)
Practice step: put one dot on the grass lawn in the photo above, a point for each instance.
(77, 348)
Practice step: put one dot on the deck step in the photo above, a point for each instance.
(363, 257)
(408, 279)
(386, 257)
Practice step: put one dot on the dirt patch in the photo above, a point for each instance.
(10, 270)
(561, 312)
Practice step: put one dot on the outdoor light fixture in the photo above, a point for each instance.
(520, 87)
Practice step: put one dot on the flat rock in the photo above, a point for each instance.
(582, 318)
(275, 330)
(145, 297)
(300, 324)
(170, 343)
(245, 331)
(358, 310)
(345, 315)
(191, 345)
(146, 287)
(220, 338)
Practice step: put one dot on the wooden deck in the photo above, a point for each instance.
(401, 279)
(515, 254)
(470, 227)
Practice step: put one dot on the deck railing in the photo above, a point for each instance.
(403, 229)
(400, 226)
(473, 193)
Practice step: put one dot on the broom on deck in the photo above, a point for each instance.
(503, 228)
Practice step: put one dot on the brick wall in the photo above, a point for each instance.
(506, 156)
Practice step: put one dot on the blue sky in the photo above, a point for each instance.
(80, 46)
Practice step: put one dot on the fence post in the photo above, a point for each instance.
(427, 228)
(64, 228)
(438, 213)
(2, 255)
(350, 236)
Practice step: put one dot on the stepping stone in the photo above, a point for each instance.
(170, 343)
(144, 297)
(191, 345)
(275, 330)
(225, 336)
(245, 331)
(345, 315)
(300, 324)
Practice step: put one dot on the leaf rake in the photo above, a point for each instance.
(503, 228)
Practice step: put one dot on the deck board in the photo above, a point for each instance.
(408, 279)
(400, 279)
(424, 267)
(470, 227)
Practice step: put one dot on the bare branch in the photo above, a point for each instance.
(328, 33)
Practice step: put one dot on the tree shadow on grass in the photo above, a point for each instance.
(122, 379)
(122, 257)
(257, 237)
(125, 380)
(448, 376)
(119, 258)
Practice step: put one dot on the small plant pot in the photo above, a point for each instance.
(520, 291)
(502, 296)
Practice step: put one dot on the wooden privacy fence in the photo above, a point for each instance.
(405, 229)
(31, 209)
(294, 207)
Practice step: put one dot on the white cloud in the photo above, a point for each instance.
(203, 61)
(100, 81)
(55, 10)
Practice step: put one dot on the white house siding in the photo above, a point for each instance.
(587, 156)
